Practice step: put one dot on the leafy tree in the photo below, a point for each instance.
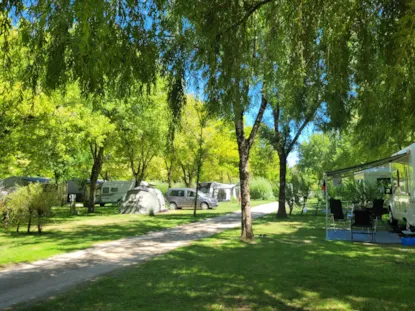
(33, 200)
(264, 160)
(224, 57)
(142, 129)
(102, 45)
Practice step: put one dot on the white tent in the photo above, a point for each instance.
(143, 200)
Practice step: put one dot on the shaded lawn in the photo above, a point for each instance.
(292, 268)
(66, 233)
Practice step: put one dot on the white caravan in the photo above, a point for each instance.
(402, 203)
(380, 177)
(221, 192)
(112, 191)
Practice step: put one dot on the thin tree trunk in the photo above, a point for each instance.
(6, 221)
(29, 223)
(197, 190)
(282, 213)
(169, 173)
(199, 167)
(39, 224)
(96, 170)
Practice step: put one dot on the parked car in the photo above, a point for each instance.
(185, 197)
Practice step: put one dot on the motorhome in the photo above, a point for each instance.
(111, 192)
(402, 203)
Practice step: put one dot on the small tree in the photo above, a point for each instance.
(34, 200)
(15, 209)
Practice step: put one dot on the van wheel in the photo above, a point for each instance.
(204, 206)
(173, 205)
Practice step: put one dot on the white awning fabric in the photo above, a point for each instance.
(367, 165)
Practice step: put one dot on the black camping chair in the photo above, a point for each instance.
(336, 212)
(363, 219)
(378, 210)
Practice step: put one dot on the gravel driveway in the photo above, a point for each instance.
(43, 278)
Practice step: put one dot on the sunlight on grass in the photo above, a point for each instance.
(66, 233)
(281, 271)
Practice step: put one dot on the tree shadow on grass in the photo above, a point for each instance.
(292, 268)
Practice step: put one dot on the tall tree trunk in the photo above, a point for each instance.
(282, 213)
(169, 174)
(96, 170)
(199, 163)
(244, 147)
(197, 189)
(246, 218)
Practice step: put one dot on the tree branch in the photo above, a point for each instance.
(258, 120)
(245, 17)
(300, 130)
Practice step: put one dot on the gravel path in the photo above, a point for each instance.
(43, 278)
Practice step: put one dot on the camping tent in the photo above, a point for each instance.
(143, 200)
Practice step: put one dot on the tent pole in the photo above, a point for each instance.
(327, 203)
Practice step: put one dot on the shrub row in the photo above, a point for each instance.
(26, 205)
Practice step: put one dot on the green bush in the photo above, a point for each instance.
(261, 189)
(27, 203)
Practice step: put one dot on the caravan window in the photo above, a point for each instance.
(402, 177)
(106, 190)
(114, 189)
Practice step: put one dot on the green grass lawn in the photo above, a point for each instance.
(292, 268)
(67, 233)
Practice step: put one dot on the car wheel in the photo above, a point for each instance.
(204, 206)
(173, 205)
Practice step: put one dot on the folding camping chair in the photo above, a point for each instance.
(378, 210)
(336, 212)
(363, 219)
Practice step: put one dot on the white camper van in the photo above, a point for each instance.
(112, 191)
(402, 203)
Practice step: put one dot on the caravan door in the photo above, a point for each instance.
(401, 200)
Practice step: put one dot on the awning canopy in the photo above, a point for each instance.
(368, 165)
